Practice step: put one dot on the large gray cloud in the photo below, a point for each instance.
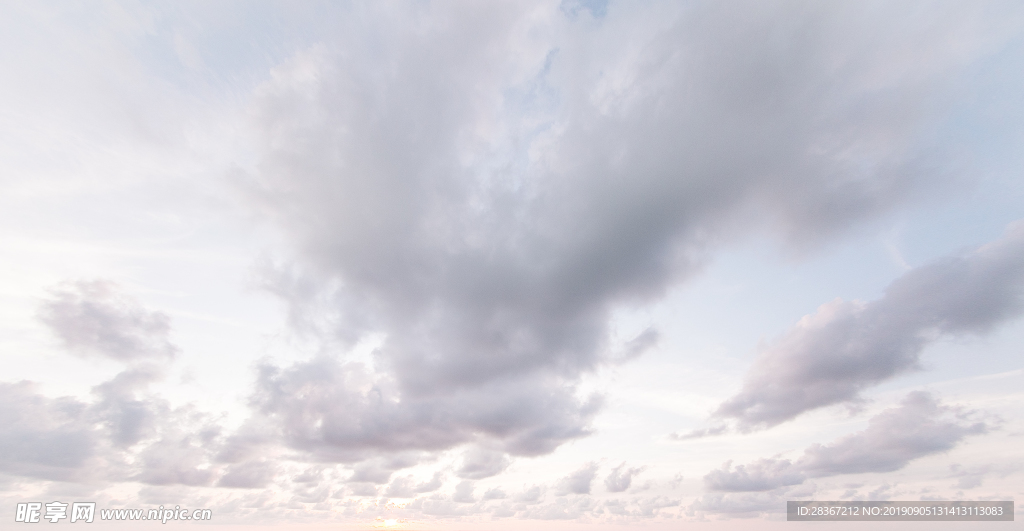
(920, 426)
(829, 357)
(485, 190)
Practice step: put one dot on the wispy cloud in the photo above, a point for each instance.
(831, 356)
(920, 426)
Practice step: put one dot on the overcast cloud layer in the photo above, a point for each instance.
(483, 220)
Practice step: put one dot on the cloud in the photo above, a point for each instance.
(431, 485)
(120, 436)
(181, 447)
(530, 495)
(407, 487)
(480, 463)
(740, 504)
(362, 489)
(761, 475)
(341, 412)
(379, 470)
(561, 509)
(95, 318)
(516, 176)
(178, 459)
(128, 418)
(620, 478)
(648, 507)
(126, 432)
(830, 356)
(495, 493)
(640, 344)
(699, 433)
(42, 437)
(973, 476)
(579, 481)
(249, 475)
(920, 426)
(482, 187)
(464, 492)
(401, 487)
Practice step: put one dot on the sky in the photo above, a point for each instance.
(503, 265)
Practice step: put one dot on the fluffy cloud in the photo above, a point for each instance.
(122, 435)
(95, 318)
(484, 191)
(620, 478)
(579, 481)
(464, 492)
(920, 426)
(407, 487)
(480, 463)
(42, 437)
(127, 417)
(761, 475)
(180, 456)
(829, 357)
(125, 433)
(340, 411)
